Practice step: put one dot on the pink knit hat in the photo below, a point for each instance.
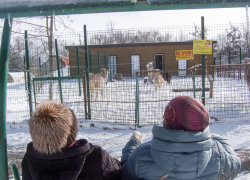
(186, 113)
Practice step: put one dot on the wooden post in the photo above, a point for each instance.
(211, 84)
(84, 96)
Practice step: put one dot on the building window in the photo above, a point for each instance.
(112, 65)
(182, 64)
(135, 64)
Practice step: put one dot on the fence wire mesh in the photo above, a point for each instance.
(126, 53)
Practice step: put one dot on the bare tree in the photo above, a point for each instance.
(155, 35)
(197, 32)
(50, 45)
(234, 36)
(41, 42)
(168, 37)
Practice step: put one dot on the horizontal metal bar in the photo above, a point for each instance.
(56, 78)
(223, 65)
(81, 9)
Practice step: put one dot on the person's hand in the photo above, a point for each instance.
(213, 135)
(137, 136)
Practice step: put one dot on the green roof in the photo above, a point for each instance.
(194, 1)
(28, 8)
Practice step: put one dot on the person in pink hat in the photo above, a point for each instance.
(183, 148)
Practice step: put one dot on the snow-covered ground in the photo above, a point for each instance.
(230, 98)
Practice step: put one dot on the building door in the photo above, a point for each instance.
(182, 64)
(112, 65)
(158, 61)
(135, 64)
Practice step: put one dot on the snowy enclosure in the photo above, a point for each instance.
(118, 106)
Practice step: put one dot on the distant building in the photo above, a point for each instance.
(129, 58)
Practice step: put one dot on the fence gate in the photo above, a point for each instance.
(70, 93)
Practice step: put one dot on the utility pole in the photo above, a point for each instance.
(247, 29)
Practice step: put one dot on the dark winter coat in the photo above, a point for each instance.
(181, 155)
(81, 161)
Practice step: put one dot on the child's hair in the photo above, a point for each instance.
(53, 126)
(186, 113)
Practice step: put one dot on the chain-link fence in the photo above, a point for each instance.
(127, 53)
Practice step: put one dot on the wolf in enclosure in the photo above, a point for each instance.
(97, 82)
(150, 67)
(158, 81)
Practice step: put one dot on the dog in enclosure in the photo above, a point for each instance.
(97, 82)
(158, 81)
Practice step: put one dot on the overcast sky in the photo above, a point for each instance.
(124, 20)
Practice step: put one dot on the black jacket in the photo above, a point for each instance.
(81, 161)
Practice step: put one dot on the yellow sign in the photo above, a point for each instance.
(184, 55)
(201, 46)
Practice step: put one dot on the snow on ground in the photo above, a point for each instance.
(118, 106)
(114, 137)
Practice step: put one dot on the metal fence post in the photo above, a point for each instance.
(203, 63)
(15, 170)
(194, 83)
(78, 68)
(111, 65)
(90, 62)
(87, 70)
(28, 71)
(58, 71)
(4, 60)
(34, 91)
(137, 123)
(25, 79)
(61, 66)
